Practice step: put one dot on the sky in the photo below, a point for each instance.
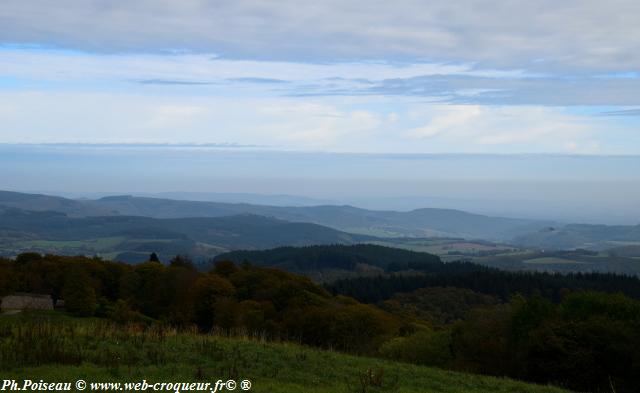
(333, 88)
(340, 76)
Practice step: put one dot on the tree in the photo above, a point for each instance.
(6, 277)
(225, 268)
(205, 294)
(78, 292)
(182, 261)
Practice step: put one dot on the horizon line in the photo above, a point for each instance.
(274, 149)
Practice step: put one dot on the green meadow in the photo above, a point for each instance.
(58, 348)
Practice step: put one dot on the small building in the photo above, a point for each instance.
(59, 305)
(26, 301)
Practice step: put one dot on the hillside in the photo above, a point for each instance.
(132, 238)
(416, 223)
(165, 355)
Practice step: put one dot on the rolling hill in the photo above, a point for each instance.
(416, 223)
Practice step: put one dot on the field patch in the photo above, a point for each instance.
(554, 261)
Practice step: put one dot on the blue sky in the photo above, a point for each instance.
(335, 76)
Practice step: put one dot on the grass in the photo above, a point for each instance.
(55, 347)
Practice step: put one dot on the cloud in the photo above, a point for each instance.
(73, 66)
(545, 35)
(452, 119)
(458, 84)
(112, 117)
(471, 89)
(175, 116)
(625, 112)
(171, 82)
(514, 128)
(366, 106)
(317, 125)
(331, 124)
(258, 80)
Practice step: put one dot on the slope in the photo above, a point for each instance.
(164, 355)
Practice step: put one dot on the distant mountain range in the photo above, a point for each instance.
(219, 226)
(416, 223)
(225, 197)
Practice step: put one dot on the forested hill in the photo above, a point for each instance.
(132, 238)
(385, 273)
(344, 257)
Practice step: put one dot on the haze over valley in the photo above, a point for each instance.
(566, 188)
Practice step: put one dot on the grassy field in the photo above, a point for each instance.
(551, 260)
(54, 347)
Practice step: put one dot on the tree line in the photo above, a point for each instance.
(486, 280)
(229, 297)
(576, 331)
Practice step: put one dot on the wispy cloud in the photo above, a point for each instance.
(258, 80)
(471, 89)
(171, 82)
(74, 66)
(454, 83)
(625, 112)
(545, 129)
